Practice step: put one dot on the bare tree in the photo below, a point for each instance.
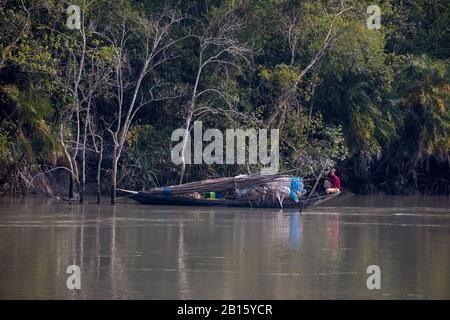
(219, 47)
(96, 76)
(81, 73)
(298, 28)
(69, 79)
(157, 49)
(97, 142)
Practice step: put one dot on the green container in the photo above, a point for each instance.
(210, 195)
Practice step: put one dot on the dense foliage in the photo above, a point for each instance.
(84, 105)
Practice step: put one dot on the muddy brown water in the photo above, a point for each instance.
(133, 251)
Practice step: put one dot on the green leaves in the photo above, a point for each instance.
(423, 84)
(308, 144)
(282, 77)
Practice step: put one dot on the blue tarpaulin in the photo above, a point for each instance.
(296, 187)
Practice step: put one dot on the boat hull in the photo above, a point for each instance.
(161, 199)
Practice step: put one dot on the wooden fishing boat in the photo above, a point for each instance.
(179, 200)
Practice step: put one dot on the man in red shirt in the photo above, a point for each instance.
(333, 183)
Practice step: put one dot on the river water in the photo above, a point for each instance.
(133, 251)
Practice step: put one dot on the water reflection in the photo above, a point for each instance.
(184, 287)
(135, 251)
(333, 233)
(295, 231)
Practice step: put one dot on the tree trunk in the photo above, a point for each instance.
(114, 178)
(183, 149)
(78, 185)
(99, 167)
(71, 186)
(83, 165)
(82, 185)
(83, 173)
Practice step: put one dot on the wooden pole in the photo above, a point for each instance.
(314, 187)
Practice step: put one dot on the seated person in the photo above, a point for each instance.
(332, 184)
